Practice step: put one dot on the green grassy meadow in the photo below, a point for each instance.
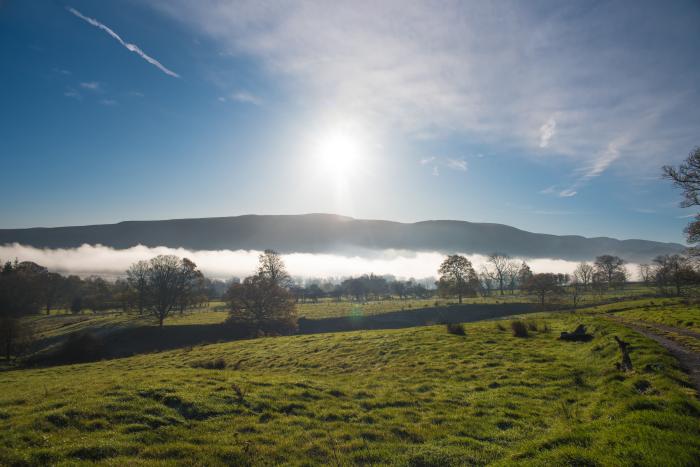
(417, 396)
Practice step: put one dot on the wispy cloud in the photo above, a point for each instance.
(131, 47)
(595, 168)
(566, 95)
(242, 97)
(547, 132)
(91, 85)
(457, 164)
(108, 102)
(567, 193)
(73, 94)
(687, 216)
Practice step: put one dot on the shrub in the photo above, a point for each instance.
(532, 326)
(500, 326)
(519, 328)
(456, 328)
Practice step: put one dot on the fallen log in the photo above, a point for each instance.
(579, 335)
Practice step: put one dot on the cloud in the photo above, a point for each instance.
(547, 132)
(242, 97)
(457, 164)
(568, 193)
(489, 71)
(687, 216)
(644, 210)
(73, 94)
(595, 168)
(131, 47)
(108, 102)
(246, 97)
(223, 264)
(91, 85)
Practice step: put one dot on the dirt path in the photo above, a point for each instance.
(689, 360)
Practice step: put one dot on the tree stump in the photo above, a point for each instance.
(626, 363)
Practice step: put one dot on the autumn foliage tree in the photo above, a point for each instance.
(457, 277)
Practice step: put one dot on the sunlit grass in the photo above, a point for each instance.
(417, 396)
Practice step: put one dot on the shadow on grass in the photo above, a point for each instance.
(126, 342)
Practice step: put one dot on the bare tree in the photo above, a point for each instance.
(261, 300)
(457, 275)
(501, 268)
(271, 267)
(543, 285)
(611, 268)
(165, 283)
(583, 274)
(486, 281)
(687, 178)
(137, 277)
(674, 270)
(646, 273)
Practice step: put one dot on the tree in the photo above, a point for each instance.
(674, 270)
(583, 274)
(53, 285)
(271, 267)
(190, 284)
(611, 268)
(457, 276)
(165, 278)
(20, 295)
(687, 178)
(524, 274)
(261, 300)
(501, 269)
(137, 277)
(543, 285)
(646, 273)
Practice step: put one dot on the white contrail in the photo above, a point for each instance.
(131, 47)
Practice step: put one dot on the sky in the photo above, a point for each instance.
(552, 116)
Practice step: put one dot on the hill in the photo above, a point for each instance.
(415, 396)
(328, 233)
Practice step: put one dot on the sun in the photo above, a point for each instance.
(338, 153)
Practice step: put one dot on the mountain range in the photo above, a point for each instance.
(330, 233)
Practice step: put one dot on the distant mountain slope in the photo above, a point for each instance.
(326, 233)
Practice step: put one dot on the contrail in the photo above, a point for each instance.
(131, 47)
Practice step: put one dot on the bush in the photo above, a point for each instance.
(500, 326)
(519, 328)
(532, 326)
(456, 328)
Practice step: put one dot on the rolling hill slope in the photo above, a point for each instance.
(328, 233)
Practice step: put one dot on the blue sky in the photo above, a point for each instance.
(549, 116)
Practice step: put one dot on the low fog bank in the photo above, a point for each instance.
(224, 264)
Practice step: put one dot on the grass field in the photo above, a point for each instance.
(416, 396)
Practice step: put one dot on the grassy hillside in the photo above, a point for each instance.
(415, 396)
